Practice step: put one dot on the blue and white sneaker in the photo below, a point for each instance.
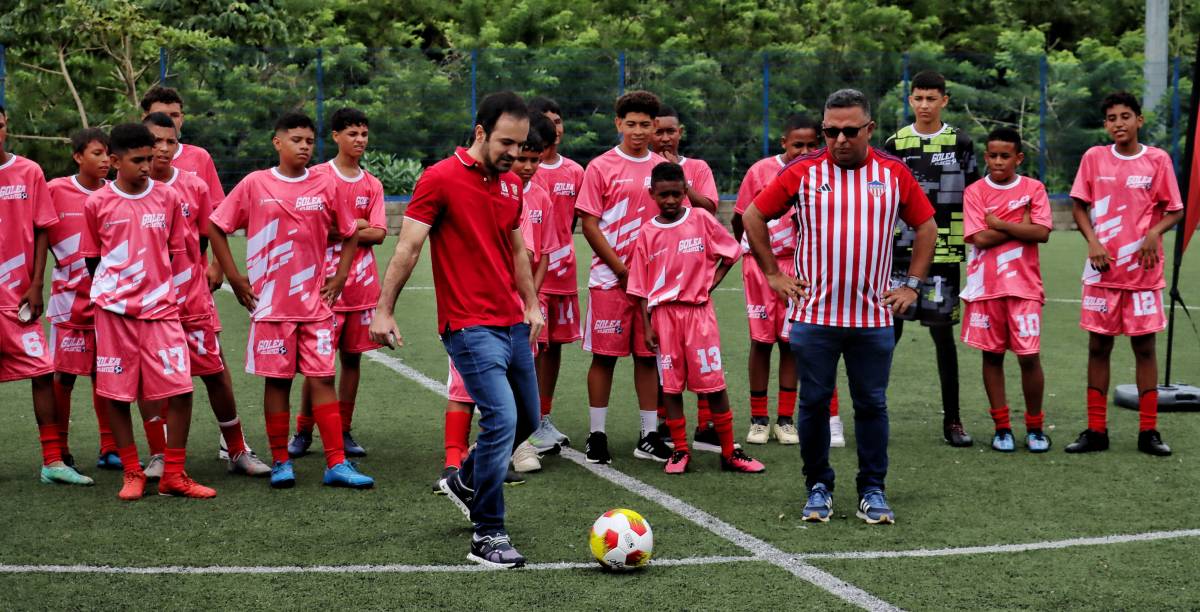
(109, 461)
(1036, 441)
(298, 445)
(1003, 441)
(819, 505)
(873, 508)
(344, 474)
(283, 476)
(495, 551)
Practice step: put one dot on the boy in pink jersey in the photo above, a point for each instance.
(289, 213)
(141, 350)
(355, 307)
(197, 312)
(27, 213)
(72, 322)
(1126, 197)
(613, 203)
(189, 158)
(766, 312)
(561, 178)
(1005, 216)
(680, 256)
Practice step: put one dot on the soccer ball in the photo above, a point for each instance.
(621, 540)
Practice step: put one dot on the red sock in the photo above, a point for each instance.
(547, 405)
(277, 435)
(129, 459)
(758, 404)
(1147, 411)
(458, 434)
(703, 415)
(662, 413)
(329, 423)
(62, 410)
(787, 403)
(833, 404)
(51, 451)
(1034, 421)
(1097, 406)
(304, 424)
(1000, 418)
(347, 411)
(723, 421)
(107, 443)
(235, 442)
(173, 460)
(156, 435)
(679, 433)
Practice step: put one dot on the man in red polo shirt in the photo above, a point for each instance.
(469, 206)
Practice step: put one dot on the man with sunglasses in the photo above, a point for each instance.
(847, 197)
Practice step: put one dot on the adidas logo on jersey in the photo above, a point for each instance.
(944, 159)
(73, 344)
(1139, 182)
(981, 320)
(567, 189)
(361, 201)
(824, 188)
(154, 220)
(109, 365)
(13, 192)
(271, 347)
(1095, 304)
(756, 311)
(607, 326)
(691, 245)
(310, 203)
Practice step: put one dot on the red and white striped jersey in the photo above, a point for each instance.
(846, 218)
(783, 229)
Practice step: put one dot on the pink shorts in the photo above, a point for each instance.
(1116, 312)
(614, 325)
(765, 310)
(73, 350)
(138, 359)
(280, 349)
(689, 348)
(1003, 324)
(352, 331)
(562, 318)
(456, 391)
(23, 349)
(204, 346)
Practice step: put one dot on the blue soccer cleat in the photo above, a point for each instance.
(1003, 441)
(109, 461)
(283, 476)
(344, 475)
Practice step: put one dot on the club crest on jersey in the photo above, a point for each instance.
(154, 220)
(271, 347)
(310, 203)
(73, 344)
(13, 192)
(361, 201)
(875, 188)
(1139, 182)
(109, 365)
(607, 326)
(980, 320)
(567, 189)
(1095, 304)
(691, 245)
(756, 311)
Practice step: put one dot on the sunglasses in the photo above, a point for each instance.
(850, 131)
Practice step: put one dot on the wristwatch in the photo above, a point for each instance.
(913, 282)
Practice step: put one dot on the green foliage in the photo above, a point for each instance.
(397, 175)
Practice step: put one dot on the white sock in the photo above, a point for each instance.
(649, 421)
(598, 415)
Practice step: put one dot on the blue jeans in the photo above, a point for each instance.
(868, 355)
(496, 365)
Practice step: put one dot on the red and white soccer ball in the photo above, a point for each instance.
(621, 540)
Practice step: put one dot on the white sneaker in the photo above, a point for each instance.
(248, 464)
(154, 467)
(785, 433)
(223, 449)
(525, 458)
(758, 434)
(837, 437)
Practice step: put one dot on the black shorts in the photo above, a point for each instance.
(937, 301)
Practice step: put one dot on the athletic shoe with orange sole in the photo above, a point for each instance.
(739, 461)
(134, 487)
(182, 485)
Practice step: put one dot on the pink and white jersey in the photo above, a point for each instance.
(70, 284)
(363, 194)
(676, 262)
(24, 204)
(616, 189)
(1128, 195)
(783, 229)
(127, 232)
(288, 222)
(700, 177)
(537, 211)
(195, 160)
(562, 181)
(1010, 269)
(191, 268)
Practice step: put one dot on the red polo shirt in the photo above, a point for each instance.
(471, 217)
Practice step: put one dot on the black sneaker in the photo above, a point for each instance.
(1150, 442)
(446, 473)
(664, 432)
(352, 448)
(705, 439)
(458, 493)
(955, 435)
(652, 447)
(1089, 442)
(596, 448)
(495, 551)
(513, 477)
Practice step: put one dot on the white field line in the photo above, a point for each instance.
(1008, 548)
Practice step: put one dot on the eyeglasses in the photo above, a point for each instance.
(850, 131)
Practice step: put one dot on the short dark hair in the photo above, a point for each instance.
(345, 117)
(799, 121)
(848, 98)
(541, 133)
(494, 105)
(292, 120)
(2, 111)
(665, 172)
(162, 95)
(929, 79)
(128, 136)
(1121, 97)
(161, 120)
(81, 139)
(638, 102)
(1005, 134)
(666, 110)
(542, 104)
